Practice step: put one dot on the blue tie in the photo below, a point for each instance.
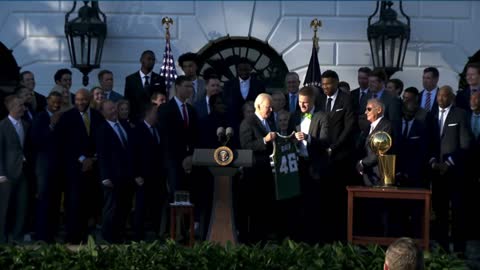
(293, 104)
(123, 139)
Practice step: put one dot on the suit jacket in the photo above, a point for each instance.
(412, 167)
(41, 102)
(462, 99)
(371, 174)
(252, 133)
(115, 160)
(393, 106)
(472, 156)
(44, 145)
(11, 153)
(455, 140)
(149, 153)
(201, 108)
(433, 99)
(287, 103)
(234, 99)
(341, 125)
(74, 141)
(318, 132)
(137, 94)
(114, 96)
(357, 107)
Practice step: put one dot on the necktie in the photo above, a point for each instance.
(194, 90)
(155, 134)
(329, 104)
(123, 138)
(476, 125)
(147, 83)
(363, 101)
(405, 129)
(86, 122)
(293, 104)
(440, 120)
(428, 101)
(265, 124)
(20, 132)
(185, 116)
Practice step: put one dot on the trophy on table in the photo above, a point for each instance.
(380, 142)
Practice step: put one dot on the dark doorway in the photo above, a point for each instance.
(221, 56)
(9, 75)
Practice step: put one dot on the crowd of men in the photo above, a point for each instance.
(96, 154)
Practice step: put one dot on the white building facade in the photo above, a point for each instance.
(443, 34)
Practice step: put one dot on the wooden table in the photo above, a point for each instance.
(177, 210)
(388, 193)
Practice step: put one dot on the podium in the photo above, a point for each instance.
(222, 226)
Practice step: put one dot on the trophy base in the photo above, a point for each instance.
(385, 186)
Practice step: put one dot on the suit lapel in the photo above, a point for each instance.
(313, 123)
(138, 79)
(448, 118)
(13, 132)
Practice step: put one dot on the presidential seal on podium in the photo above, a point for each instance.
(223, 155)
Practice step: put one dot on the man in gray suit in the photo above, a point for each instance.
(13, 184)
(188, 63)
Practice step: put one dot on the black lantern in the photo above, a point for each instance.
(85, 36)
(388, 38)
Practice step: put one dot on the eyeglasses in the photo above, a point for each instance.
(369, 109)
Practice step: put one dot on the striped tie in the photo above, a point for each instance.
(428, 101)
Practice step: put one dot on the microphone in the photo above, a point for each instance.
(229, 132)
(220, 133)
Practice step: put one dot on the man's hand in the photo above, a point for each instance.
(87, 165)
(187, 164)
(301, 136)
(270, 137)
(139, 180)
(359, 167)
(107, 183)
(3, 179)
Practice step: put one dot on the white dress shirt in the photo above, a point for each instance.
(305, 128)
(244, 87)
(374, 124)
(207, 98)
(333, 97)
(441, 120)
(142, 75)
(17, 124)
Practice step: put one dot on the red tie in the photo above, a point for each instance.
(185, 116)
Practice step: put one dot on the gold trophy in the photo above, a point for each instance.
(380, 142)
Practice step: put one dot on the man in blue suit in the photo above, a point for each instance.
(212, 87)
(44, 148)
(105, 78)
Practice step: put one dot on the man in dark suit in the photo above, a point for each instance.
(428, 96)
(27, 79)
(311, 132)
(341, 126)
(76, 132)
(45, 152)
(367, 166)
(473, 173)
(150, 180)
(115, 144)
(451, 140)
(63, 78)
(189, 65)
(257, 135)
(473, 80)
(359, 95)
(178, 126)
(105, 78)
(242, 89)
(212, 87)
(292, 82)
(393, 105)
(278, 105)
(13, 184)
(137, 85)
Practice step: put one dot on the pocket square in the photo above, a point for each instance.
(452, 125)
(337, 110)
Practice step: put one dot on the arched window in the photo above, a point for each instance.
(221, 56)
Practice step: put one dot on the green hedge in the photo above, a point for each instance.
(169, 256)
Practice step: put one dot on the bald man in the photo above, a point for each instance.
(450, 140)
(76, 130)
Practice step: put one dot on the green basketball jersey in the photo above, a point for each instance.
(284, 161)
